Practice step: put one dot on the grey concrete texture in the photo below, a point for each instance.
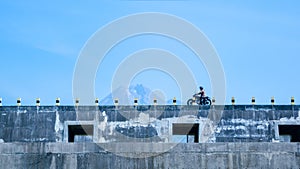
(238, 123)
(182, 156)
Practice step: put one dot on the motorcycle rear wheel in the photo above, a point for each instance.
(190, 102)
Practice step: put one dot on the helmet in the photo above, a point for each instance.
(201, 88)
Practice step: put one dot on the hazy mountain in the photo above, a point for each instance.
(144, 95)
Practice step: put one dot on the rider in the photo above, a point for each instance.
(201, 93)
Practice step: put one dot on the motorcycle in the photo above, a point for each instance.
(199, 100)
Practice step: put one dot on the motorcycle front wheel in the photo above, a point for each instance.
(207, 101)
(190, 102)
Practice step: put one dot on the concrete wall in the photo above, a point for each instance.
(141, 137)
(183, 156)
(243, 123)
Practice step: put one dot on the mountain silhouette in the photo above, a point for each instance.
(126, 96)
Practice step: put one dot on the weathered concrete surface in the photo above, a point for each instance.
(183, 156)
(240, 123)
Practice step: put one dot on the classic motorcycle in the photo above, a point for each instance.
(199, 100)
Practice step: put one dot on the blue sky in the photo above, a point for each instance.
(258, 43)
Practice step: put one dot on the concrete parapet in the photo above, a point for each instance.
(237, 123)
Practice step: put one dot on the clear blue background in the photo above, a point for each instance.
(258, 43)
